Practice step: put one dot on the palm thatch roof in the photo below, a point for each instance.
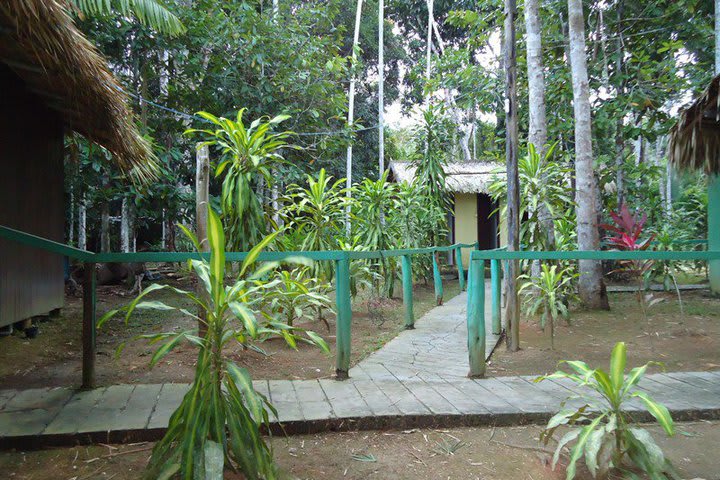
(41, 44)
(694, 142)
(466, 177)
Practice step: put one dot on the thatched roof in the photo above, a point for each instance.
(468, 177)
(694, 143)
(41, 44)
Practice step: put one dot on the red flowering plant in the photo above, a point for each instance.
(626, 236)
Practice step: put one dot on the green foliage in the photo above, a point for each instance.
(543, 186)
(549, 293)
(376, 227)
(316, 214)
(149, 12)
(603, 431)
(430, 165)
(294, 295)
(249, 154)
(218, 421)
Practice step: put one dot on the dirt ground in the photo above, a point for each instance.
(682, 341)
(54, 357)
(464, 453)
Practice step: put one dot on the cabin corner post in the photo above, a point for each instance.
(437, 279)
(88, 326)
(713, 221)
(407, 283)
(344, 318)
(476, 317)
(496, 290)
(461, 272)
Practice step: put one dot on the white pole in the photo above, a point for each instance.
(381, 88)
(351, 116)
(429, 46)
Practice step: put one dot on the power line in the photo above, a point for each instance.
(189, 116)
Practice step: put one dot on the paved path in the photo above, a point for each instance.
(417, 380)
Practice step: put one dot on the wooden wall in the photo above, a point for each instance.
(31, 200)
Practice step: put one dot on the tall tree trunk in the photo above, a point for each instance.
(591, 286)
(512, 312)
(537, 131)
(381, 88)
(351, 116)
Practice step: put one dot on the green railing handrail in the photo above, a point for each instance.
(132, 257)
(596, 255)
(476, 284)
(51, 246)
(341, 258)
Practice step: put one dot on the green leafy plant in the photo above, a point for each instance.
(218, 422)
(294, 295)
(249, 154)
(549, 293)
(603, 431)
(317, 212)
(376, 227)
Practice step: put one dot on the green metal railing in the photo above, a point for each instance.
(341, 258)
(476, 284)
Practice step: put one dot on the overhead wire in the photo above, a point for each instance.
(189, 116)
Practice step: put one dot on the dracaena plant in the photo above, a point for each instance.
(602, 430)
(218, 423)
(294, 295)
(249, 155)
(549, 293)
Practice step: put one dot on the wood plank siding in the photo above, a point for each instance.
(31, 200)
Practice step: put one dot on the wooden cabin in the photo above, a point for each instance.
(694, 144)
(53, 82)
(473, 217)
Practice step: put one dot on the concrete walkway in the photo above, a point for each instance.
(417, 380)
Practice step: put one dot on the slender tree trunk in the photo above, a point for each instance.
(125, 226)
(202, 202)
(512, 313)
(591, 286)
(351, 117)
(105, 227)
(82, 224)
(620, 86)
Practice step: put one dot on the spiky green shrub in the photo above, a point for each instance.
(602, 429)
(218, 423)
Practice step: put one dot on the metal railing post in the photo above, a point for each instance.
(461, 272)
(437, 280)
(344, 318)
(496, 290)
(88, 326)
(406, 265)
(476, 317)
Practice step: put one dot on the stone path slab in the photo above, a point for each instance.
(417, 380)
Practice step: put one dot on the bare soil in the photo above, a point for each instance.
(464, 453)
(681, 341)
(54, 357)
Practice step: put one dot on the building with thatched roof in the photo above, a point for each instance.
(53, 81)
(694, 144)
(471, 219)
